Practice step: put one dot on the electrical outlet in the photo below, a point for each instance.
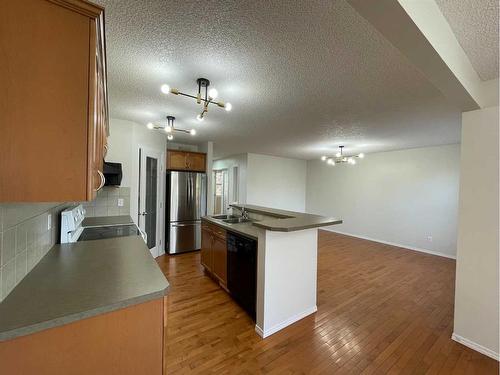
(49, 222)
(120, 202)
(429, 238)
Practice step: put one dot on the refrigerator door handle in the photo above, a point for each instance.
(185, 224)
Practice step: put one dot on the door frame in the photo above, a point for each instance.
(160, 196)
(226, 189)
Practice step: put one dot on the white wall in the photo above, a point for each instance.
(477, 293)
(268, 181)
(120, 147)
(398, 197)
(182, 146)
(276, 182)
(229, 163)
(124, 141)
(208, 149)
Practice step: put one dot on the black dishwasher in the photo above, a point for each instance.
(242, 271)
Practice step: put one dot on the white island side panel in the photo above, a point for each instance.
(286, 278)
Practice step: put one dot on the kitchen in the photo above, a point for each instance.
(157, 221)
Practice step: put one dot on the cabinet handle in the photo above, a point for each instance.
(103, 180)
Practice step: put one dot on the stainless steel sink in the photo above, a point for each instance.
(224, 217)
(236, 220)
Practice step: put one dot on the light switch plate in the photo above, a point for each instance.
(120, 202)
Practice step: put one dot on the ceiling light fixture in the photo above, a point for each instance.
(169, 128)
(207, 97)
(340, 158)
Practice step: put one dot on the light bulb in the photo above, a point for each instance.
(200, 118)
(170, 137)
(338, 154)
(361, 155)
(228, 106)
(323, 158)
(192, 132)
(353, 161)
(213, 93)
(331, 162)
(168, 129)
(150, 125)
(165, 89)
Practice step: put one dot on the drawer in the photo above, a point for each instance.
(215, 229)
(218, 231)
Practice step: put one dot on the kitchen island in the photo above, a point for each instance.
(287, 248)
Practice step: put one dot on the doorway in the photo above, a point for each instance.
(221, 191)
(150, 216)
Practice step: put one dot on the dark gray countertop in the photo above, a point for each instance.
(280, 221)
(245, 229)
(81, 280)
(287, 221)
(103, 221)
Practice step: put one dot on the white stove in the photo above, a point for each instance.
(72, 229)
(71, 223)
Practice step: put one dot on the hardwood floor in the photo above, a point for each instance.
(381, 310)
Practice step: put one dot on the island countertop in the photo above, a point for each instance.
(245, 229)
(80, 280)
(277, 220)
(287, 221)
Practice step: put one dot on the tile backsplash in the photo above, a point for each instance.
(25, 239)
(110, 201)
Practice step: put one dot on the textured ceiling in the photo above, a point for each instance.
(475, 25)
(303, 77)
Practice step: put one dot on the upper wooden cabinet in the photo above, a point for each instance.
(54, 113)
(186, 161)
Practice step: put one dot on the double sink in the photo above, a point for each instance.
(232, 219)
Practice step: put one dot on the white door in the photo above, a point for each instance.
(150, 216)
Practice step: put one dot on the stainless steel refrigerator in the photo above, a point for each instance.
(186, 204)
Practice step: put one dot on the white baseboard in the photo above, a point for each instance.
(475, 346)
(278, 327)
(393, 244)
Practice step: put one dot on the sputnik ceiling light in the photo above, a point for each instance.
(169, 128)
(207, 97)
(341, 158)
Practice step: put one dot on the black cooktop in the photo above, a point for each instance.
(99, 233)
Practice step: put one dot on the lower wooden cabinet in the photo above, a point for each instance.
(219, 255)
(214, 252)
(206, 248)
(127, 341)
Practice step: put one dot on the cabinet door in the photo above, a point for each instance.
(206, 248)
(44, 102)
(176, 160)
(219, 250)
(196, 162)
(97, 113)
